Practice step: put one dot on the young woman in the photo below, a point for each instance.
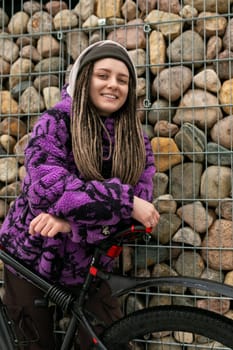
(89, 169)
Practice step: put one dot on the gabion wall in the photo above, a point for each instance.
(183, 53)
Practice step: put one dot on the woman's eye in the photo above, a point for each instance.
(103, 76)
(123, 81)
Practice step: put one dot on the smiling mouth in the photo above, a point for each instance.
(112, 97)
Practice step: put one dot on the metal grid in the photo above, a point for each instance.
(183, 54)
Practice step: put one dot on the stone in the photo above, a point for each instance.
(226, 95)
(65, 19)
(141, 87)
(31, 7)
(51, 96)
(22, 172)
(168, 23)
(53, 7)
(179, 49)
(13, 126)
(133, 303)
(12, 190)
(160, 109)
(138, 57)
(165, 129)
(129, 10)
(199, 107)
(229, 278)
(184, 337)
(4, 67)
(196, 216)
(131, 37)
(227, 42)
(48, 46)
(7, 142)
(25, 40)
(18, 23)
(50, 65)
(4, 207)
(207, 80)
(113, 9)
(187, 236)
(166, 153)
(30, 52)
(8, 105)
(185, 181)
(221, 132)
(225, 209)
(208, 24)
(190, 264)
(163, 299)
(224, 65)
(31, 101)
(172, 6)
(168, 224)
(216, 305)
(160, 181)
(8, 169)
(157, 51)
(188, 12)
(146, 6)
(220, 6)
(20, 70)
(20, 146)
(9, 51)
(43, 81)
(218, 240)
(18, 89)
(213, 47)
(40, 21)
(191, 141)
(85, 9)
(215, 184)
(74, 49)
(92, 21)
(165, 204)
(172, 82)
(4, 18)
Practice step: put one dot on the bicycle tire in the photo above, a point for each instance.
(169, 318)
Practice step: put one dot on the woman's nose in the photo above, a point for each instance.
(112, 82)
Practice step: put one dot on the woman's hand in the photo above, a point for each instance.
(145, 212)
(48, 225)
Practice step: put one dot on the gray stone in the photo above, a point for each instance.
(192, 142)
(217, 154)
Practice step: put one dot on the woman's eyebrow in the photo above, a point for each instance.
(109, 70)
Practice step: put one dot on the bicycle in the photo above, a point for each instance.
(135, 329)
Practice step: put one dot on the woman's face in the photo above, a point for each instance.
(109, 85)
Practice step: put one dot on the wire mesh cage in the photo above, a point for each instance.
(183, 51)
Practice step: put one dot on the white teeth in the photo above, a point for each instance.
(110, 96)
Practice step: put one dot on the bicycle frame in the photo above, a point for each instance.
(119, 284)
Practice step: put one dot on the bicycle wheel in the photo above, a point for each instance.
(145, 329)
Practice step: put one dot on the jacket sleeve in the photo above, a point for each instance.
(52, 184)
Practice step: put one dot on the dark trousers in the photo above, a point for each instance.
(32, 321)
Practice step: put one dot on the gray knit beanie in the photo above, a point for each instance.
(97, 51)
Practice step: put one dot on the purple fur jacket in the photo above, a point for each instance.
(54, 185)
